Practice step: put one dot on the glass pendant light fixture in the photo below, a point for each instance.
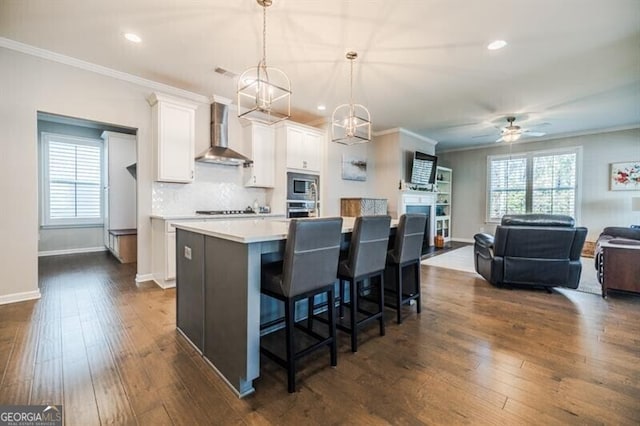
(351, 123)
(264, 93)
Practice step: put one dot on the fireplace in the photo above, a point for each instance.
(420, 202)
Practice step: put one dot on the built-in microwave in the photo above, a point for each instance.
(299, 186)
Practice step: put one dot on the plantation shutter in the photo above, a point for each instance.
(73, 180)
(507, 186)
(554, 184)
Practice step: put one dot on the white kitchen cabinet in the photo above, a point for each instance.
(170, 272)
(303, 146)
(163, 243)
(262, 145)
(173, 138)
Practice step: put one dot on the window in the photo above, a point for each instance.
(533, 182)
(72, 180)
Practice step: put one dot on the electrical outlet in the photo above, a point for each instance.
(187, 252)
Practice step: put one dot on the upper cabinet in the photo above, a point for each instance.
(173, 136)
(261, 140)
(304, 146)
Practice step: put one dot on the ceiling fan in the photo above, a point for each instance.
(512, 133)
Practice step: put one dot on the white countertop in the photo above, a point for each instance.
(252, 231)
(193, 216)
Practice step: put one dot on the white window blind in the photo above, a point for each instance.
(532, 182)
(508, 187)
(72, 180)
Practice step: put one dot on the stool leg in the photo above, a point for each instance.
(289, 312)
(381, 304)
(399, 296)
(341, 296)
(310, 304)
(418, 285)
(353, 290)
(332, 328)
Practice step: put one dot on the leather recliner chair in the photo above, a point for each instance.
(537, 250)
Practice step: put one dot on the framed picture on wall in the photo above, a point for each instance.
(354, 168)
(625, 176)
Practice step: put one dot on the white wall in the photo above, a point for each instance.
(393, 152)
(334, 187)
(600, 207)
(29, 84)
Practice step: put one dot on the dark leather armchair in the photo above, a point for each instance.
(536, 250)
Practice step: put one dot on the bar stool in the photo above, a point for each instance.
(366, 260)
(406, 252)
(309, 268)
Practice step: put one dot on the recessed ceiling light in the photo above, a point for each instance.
(321, 107)
(496, 44)
(135, 38)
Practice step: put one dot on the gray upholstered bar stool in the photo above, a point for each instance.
(366, 260)
(406, 252)
(309, 268)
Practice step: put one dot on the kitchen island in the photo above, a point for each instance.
(219, 307)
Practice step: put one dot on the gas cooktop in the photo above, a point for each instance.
(224, 212)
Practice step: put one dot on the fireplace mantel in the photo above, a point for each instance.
(420, 198)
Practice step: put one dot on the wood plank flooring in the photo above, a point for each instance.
(108, 350)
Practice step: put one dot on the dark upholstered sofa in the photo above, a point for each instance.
(619, 235)
(536, 250)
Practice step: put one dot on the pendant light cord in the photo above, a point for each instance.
(264, 35)
(351, 85)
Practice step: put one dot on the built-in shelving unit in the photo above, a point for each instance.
(444, 177)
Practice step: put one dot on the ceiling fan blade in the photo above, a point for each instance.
(528, 133)
(500, 140)
(481, 136)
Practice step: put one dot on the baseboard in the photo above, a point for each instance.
(140, 278)
(165, 284)
(71, 251)
(19, 297)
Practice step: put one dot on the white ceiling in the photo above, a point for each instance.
(571, 66)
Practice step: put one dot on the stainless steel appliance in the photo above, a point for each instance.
(301, 209)
(303, 193)
(299, 186)
(219, 151)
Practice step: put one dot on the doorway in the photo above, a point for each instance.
(87, 187)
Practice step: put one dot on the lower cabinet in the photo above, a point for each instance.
(190, 288)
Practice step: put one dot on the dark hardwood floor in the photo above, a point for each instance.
(108, 350)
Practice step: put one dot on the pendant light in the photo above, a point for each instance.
(264, 93)
(351, 123)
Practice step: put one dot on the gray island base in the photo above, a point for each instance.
(218, 291)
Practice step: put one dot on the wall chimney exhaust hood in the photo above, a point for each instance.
(219, 151)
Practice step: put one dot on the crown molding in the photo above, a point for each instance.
(550, 137)
(406, 132)
(99, 69)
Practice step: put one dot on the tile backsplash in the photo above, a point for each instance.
(215, 187)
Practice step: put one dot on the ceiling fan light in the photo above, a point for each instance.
(511, 136)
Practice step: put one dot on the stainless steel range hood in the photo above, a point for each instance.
(219, 151)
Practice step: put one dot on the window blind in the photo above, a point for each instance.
(507, 187)
(533, 182)
(73, 183)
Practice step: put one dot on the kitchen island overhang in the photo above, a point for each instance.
(218, 296)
